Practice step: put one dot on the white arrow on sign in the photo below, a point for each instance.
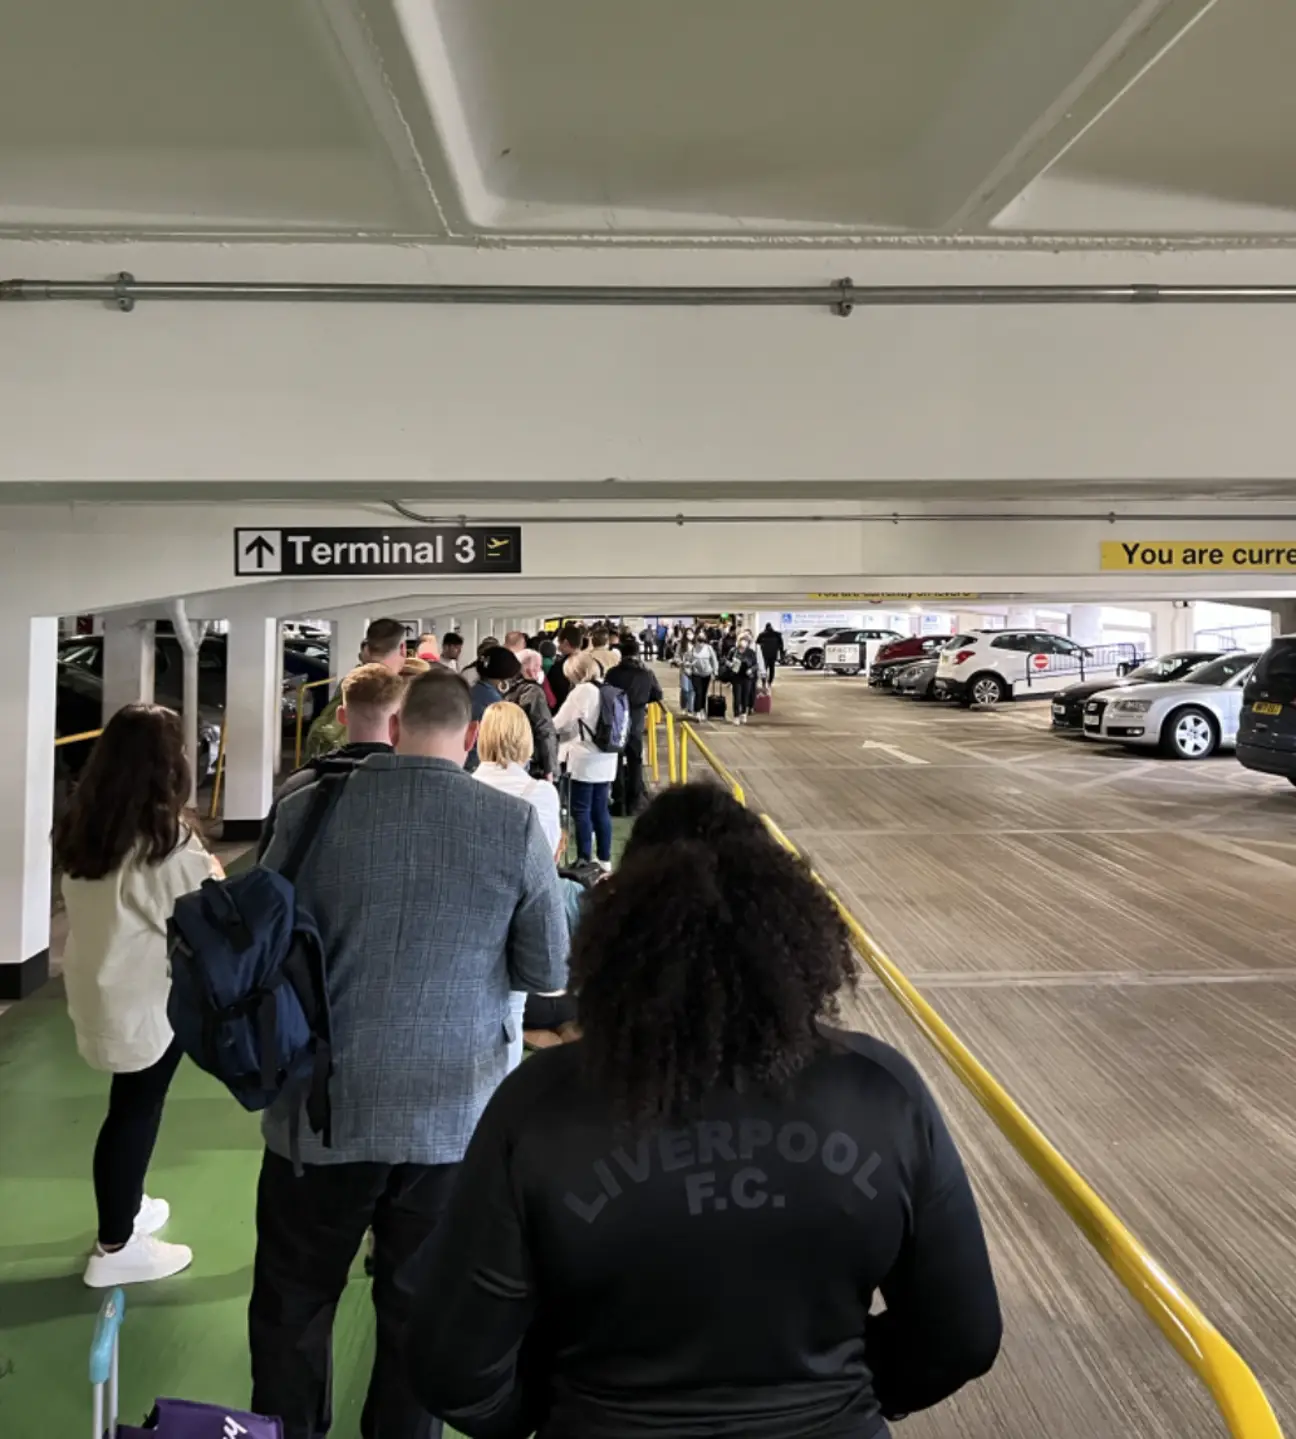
(893, 752)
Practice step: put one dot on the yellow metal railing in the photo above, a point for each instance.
(75, 738)
(301, 713)
(689, 736)
(1236, 1391)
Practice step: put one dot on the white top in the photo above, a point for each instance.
(115, 960)
(539, 793)
(576, 722)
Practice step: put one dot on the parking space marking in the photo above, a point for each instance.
(903, 756)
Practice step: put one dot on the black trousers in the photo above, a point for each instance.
(309, 1231)
(634, 791)
(744, 694)
(701, 688)
(125, 1144)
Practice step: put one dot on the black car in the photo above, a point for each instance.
(1267, 729)
(1069, 704)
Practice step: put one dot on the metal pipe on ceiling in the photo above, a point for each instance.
(1104, 517)
(841, 296)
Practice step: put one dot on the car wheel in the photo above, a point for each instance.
(1190, 734)
(814, 660)
(985, 691)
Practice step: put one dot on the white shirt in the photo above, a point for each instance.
(538, 793)
(115, 960)
(576, 722)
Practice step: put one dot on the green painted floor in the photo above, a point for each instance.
(184, 1337)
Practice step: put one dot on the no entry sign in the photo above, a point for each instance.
(390, 550)
(1041, 662)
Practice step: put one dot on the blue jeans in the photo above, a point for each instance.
(592, 816)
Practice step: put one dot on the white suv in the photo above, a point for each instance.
(988, 667)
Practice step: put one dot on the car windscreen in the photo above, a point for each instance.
(1219, 672)
(1167, 667)
(1278, 664)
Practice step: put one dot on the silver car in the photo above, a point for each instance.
(1189, 718)
(918, 680)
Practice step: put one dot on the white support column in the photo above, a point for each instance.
(1284, 616)
(1172, 626)
(28, 655)
(346, 635)
(252, 713)
(128, 662)
(1086, 624)
(471, 632)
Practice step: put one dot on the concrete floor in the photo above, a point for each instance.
(1111, 935)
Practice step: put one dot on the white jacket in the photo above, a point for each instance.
(115, 960)
(576, 721)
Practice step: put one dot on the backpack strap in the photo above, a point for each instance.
(326, 793)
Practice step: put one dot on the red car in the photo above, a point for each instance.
(892, 658)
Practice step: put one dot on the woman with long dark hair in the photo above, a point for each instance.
(127, 856)
(678, 1224)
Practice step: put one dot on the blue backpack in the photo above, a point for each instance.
(249, 999)
(613, 727)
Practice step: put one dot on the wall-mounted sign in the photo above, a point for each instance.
(334, 553)
(1194, 556)
(873, 597)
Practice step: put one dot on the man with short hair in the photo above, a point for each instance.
(384, 644)
(570, 638)
(642, 688)
(516, 641)
(370, 698)
(435, 896)
(600, 646)
(451, 649)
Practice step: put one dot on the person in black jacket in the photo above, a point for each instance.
(678, 1224)
(741, 672)
(570, 639)
(527, 692)
(642, 688)
(770, 644)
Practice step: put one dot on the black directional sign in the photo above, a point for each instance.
(386, 550)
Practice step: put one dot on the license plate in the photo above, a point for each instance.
(1265, 708)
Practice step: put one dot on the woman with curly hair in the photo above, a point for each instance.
(677, 1225)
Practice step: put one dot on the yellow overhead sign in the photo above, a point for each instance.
(1192, 556)
(878, 599)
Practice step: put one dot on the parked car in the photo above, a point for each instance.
(79, 709)
(990, 667)
(1190, 718)
(847, 652)
(898, 654)
(917, 680)
(805, 647)
(1267, 729)
(1069, 705)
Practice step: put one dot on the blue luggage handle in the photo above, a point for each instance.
(103, 1363)
(107, 1328)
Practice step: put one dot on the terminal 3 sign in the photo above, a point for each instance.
(351, 552)
(1200, 556)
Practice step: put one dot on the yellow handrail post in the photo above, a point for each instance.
(220, 772)
(653, 716)
(685, 731)
(672, 766)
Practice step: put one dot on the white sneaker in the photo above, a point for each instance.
(605, 865)
(139, 1260)
(153, 1214)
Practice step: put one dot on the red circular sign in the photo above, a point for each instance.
(1040, 662)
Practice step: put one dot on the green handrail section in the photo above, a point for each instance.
(1236, 1391)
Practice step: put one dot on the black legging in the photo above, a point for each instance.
(125, 1144)
(701, 684)
(744, 692)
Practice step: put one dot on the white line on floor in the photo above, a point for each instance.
(901, 755)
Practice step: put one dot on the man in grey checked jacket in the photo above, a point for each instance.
(435, 897)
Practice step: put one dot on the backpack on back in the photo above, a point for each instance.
(613, 726)
(249, 1001)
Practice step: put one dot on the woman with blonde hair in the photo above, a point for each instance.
(592, 770)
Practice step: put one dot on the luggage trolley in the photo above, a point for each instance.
(171, 1418)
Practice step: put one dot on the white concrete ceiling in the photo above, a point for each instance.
(675, 121)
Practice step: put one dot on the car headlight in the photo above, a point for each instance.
(1133, 707)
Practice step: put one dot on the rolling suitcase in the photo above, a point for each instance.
(171, 1418)
(717, 707)
(764, 704)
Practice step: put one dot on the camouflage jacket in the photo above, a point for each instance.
(327, 733)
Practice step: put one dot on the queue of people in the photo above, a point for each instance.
(562, 1247)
